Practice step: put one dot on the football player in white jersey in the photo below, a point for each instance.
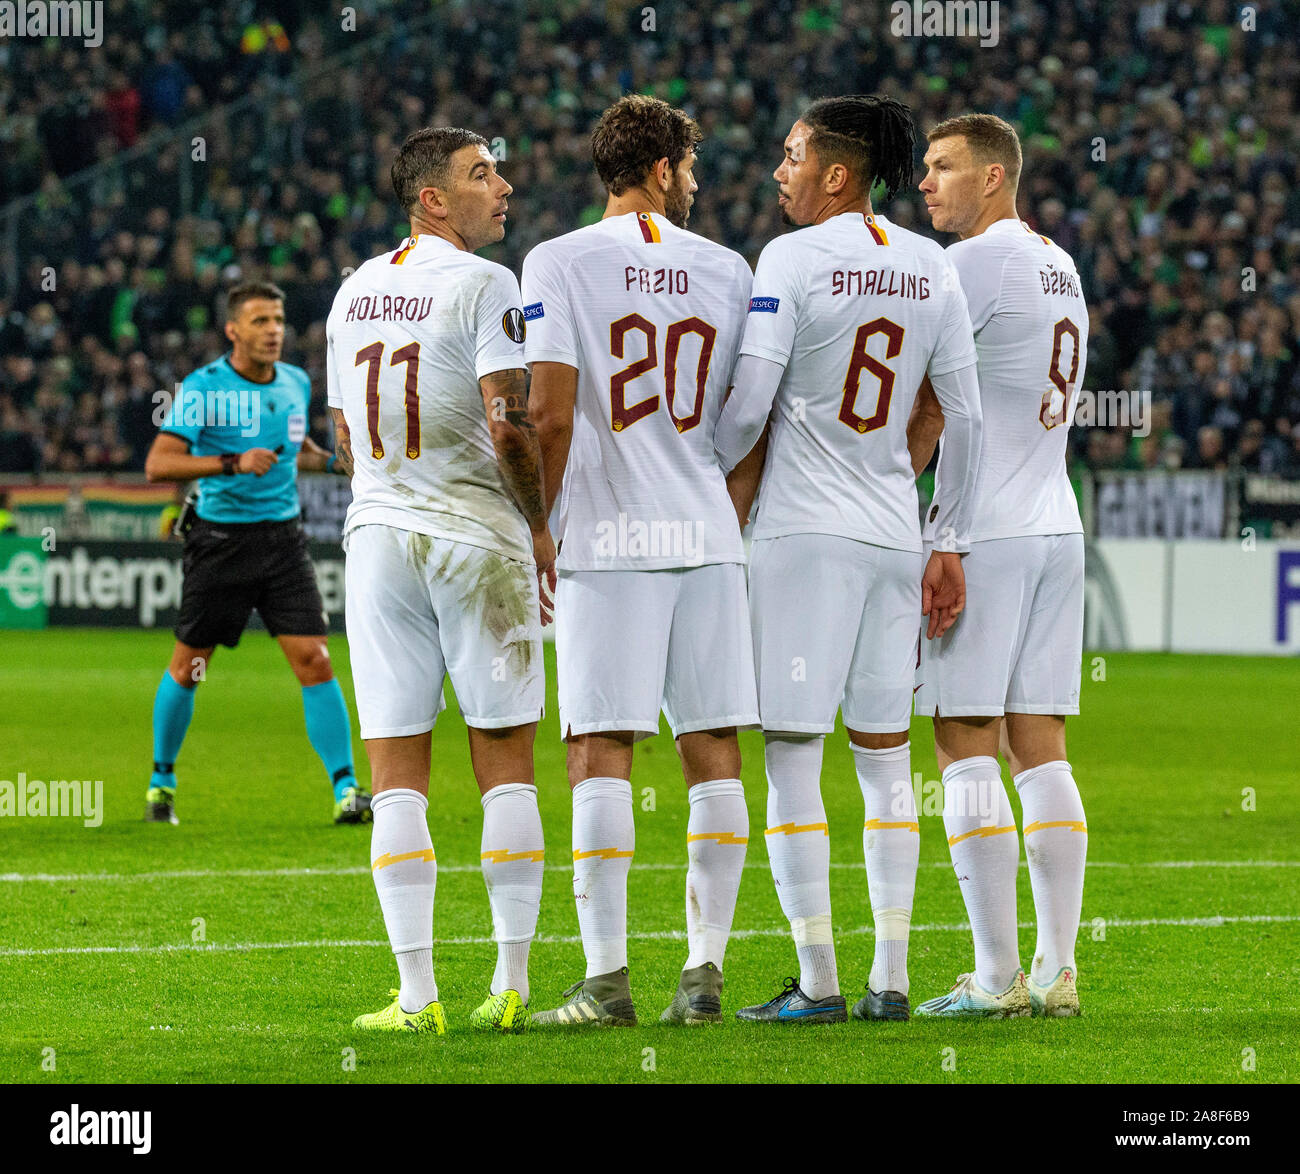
(1016, 656)
(633, 325)
(849, 316)
(446, 540)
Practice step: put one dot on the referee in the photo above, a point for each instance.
(239, 426)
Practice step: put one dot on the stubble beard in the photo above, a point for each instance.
(958, 220)
(677, 206)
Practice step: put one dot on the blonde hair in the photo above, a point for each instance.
(991, 139)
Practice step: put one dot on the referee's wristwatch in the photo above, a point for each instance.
(229, 464)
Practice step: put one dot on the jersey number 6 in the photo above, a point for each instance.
(373, 357)
(862, 361)
(622, 415)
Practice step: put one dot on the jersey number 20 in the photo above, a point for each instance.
(624, 415)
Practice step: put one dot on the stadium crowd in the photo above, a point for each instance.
(1160, 150)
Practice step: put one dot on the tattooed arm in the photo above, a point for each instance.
(342, 443)
(519, 457)
(551, 399)
(515, 440)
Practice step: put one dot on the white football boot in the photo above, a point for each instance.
(969, 1000)
(1058, 999)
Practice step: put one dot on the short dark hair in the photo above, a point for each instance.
(424, 158)
(873, 136)
(634, 134)
(991, 140)
(246, 291)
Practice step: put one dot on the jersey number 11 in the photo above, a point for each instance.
(373, 356)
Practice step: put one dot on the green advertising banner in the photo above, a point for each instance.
(22, 583)
(130, 512)
(127, 511)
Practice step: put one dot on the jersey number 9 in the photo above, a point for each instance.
(1050, 415)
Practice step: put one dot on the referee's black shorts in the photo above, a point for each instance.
(232, 568)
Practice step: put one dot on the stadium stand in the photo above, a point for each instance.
(1161, 144)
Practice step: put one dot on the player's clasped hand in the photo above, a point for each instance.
(943, 592)
(544, 553)
(256, 461)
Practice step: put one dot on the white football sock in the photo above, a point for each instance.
(891, 845)
(405, 873)
(1056, 846)
(716, 834)
(604, 838)
(986, 855)
(512, 855)
(799, 849)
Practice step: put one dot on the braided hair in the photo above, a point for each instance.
(870, 134)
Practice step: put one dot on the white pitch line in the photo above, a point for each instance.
(361, 870)
(665, 935)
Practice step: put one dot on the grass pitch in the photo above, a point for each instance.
(239, 945)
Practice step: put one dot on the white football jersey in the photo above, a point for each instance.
(859, 311)
(651, 316)
(1031, 336)
(409, 336)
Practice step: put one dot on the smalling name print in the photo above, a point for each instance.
(884, 282)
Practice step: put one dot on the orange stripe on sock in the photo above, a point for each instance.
(1074, 825)
(793, 829)
(881, 825)
(505, 856)
(721, 837)
(982, 832)
(602, 853)
(388, 858)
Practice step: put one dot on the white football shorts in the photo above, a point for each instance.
(419, 608)
(1017, 647)
(629, 643)
(834, 623)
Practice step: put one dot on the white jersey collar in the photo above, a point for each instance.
(860, 218)
(1009, 225)
(424, 241)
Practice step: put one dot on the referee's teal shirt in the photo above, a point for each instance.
(218, 411)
